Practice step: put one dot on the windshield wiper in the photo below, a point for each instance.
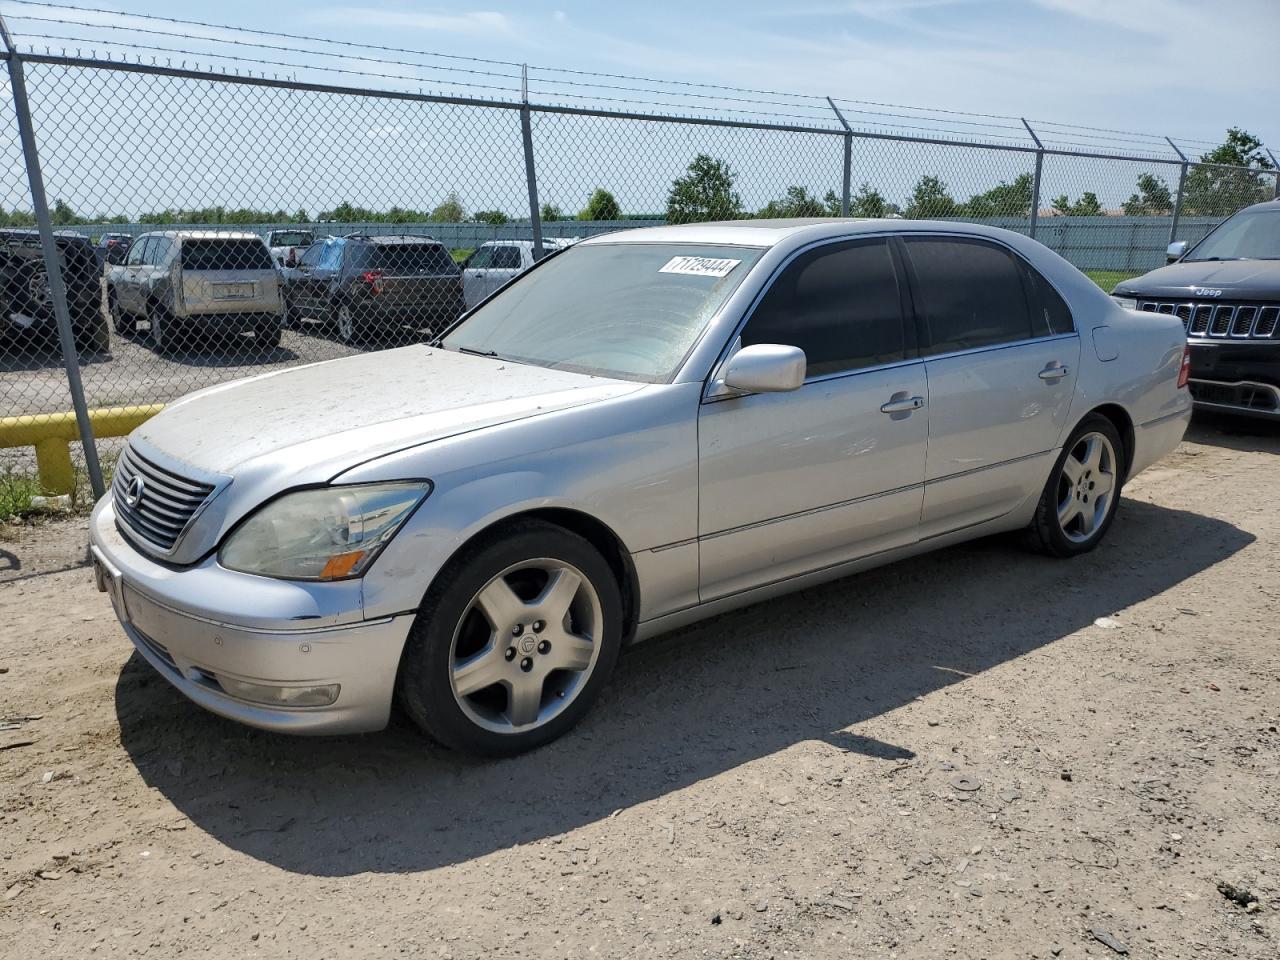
(478, 353)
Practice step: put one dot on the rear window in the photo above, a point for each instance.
(292, 238)
(404, 258)
(215, 254)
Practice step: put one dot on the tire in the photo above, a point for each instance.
(558, 667)
(96, 339)
(1079, 500)
(122, 322)
(166, 335)
(291, 320)
(267, 336)
(352, 330)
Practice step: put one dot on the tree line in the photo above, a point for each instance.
(707, 190)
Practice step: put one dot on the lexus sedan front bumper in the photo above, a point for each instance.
(281, 655)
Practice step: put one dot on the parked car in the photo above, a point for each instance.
(288, 245)
(26, 303)
(644, 430)
(361, 285)
(112, 248)
(495, 262)
(1226, 291)
(191, 285)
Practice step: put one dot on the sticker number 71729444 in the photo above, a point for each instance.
(700, 266)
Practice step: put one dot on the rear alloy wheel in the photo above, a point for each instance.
(350, 330)
(1080, 499)
(164, 328)
(513, 642)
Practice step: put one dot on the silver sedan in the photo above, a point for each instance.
(643, 430)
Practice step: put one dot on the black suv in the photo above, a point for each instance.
(362, 285)
(26, 307)
(1226, 289)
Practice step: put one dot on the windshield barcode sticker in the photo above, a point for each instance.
(700, 266)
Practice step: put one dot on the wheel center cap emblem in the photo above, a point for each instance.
(133, 492)
(527, 644)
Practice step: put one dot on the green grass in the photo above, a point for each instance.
(462, 253)
(16, 491)
(1107, 279)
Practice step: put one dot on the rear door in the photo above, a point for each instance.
(475, 275)
(127, 278)
(300, 282)
(1001, 367)
(793, 482)
(506, 264)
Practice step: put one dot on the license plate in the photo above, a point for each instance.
(232, 291)
(110, 582)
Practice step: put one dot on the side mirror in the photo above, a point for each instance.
(291, 262)
(1175, 251)
(766, 368)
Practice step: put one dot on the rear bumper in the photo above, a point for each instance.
(246, 320)
(422, 314)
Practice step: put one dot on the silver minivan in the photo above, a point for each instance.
(190, 286)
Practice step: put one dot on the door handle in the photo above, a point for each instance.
(902, 405)
(1054, 371)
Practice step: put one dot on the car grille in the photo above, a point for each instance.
(1221, 321)
(167, 503)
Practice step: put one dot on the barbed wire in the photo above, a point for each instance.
(930, 119)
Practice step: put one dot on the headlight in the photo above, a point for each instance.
(1129, 303)
(329, 533)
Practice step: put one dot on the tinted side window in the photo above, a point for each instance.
(138, 251)
(839, 304)
(506, 258)
(969, 292)
(1050, 314)
(312, 255)
(481, 259)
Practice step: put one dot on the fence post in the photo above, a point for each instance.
(1177, 200)
(526, 132)
(49, 248)
(848, 158)
(1035, 182)
(1275, 166)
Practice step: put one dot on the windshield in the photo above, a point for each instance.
(1250, 235)
(627, 310)
(292, 238)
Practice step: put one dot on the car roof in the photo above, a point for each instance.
(799, 230)
(528, 244)
(203, 235)
(391, 239)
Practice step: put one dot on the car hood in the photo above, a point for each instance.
(1237, 279)
(313, 422)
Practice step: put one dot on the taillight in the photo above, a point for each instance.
(1184, 372)
(374, 279)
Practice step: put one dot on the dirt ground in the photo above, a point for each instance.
(976, 754)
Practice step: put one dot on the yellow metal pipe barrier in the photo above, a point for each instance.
(52, 434)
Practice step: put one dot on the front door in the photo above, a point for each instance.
(793, 482)
(128, 279)
(1002, 356)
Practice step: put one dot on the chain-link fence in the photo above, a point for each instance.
(207, 226)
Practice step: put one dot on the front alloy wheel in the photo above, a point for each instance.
(514, 640)
(525, 646)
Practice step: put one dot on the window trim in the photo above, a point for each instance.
(714, 388)
(1022, 261)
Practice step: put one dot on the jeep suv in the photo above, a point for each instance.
(1226, 289)
(26, 307)
(188, 284)
(361, 284)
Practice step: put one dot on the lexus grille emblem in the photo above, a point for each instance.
(133, 491)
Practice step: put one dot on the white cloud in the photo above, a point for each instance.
(477, 23)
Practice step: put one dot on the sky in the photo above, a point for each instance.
(1170, 67)
(1155, 67)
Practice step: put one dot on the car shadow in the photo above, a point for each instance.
(215, 350)
(22, 354)
(1247, 434)
(681, 709)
